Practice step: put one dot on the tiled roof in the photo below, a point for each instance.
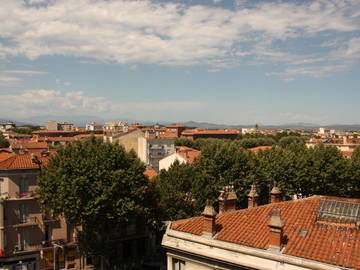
(150, 173)
(259, 148)
(305, 237)
(52, 131)
(187, 153)
(60, 139)
(347, 153)
(21, 161)
(95, 124)
(175, 125)
(209, 131)
(27, 144)
(81, 136)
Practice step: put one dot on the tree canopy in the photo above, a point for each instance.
(97, 185)
(298, 170)
(3, 142)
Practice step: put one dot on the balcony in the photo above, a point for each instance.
(26, 222)
(25, 195)
(24, 249)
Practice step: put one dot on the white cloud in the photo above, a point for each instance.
(26, 72)
(132, 32)
(4, 78)
(46, 101)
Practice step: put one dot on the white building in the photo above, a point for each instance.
(182, 154)
(93, 126)
(151, 149)
(6, 126)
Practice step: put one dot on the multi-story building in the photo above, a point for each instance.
(319, 232)
(29, 238)
(153, 148)
(149, 144)
(93, 126)
(113, 129)
(6, 126)
(54, 125)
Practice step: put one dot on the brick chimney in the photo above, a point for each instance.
(276, 225)
(253, 197)
(209, 215)
(275, 194)
(227, 199)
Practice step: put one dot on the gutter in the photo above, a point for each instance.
(281, 258)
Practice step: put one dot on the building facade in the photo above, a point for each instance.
(29, 238)
(319, 232)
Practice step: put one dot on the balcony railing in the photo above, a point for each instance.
(28, 194)
(24, 221)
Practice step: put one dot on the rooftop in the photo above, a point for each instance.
(307, 235)
(14, 161)
(189, 154)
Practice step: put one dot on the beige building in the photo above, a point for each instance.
(55, 125)
(28, 237)
(150, 146)
(319, 232)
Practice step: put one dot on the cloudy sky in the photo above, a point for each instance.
(222, 61)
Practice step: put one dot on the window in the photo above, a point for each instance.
(24, 239)
(178, 264)
(1, 186)
(23, 213)
(24, 185)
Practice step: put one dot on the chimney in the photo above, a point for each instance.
(209, 216)
(276, 226)
(227, 199)
(253, 197)
(275, 194)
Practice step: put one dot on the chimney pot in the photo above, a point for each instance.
(227, 199)
(253, 197)
(275, 194)
(276, 225)
(209, 215)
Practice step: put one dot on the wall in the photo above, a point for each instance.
(166, 162)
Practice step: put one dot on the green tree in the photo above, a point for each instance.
(285, 141)
(97, 185)
(25, 129)
(221, 164)
(175, 189)
(3, 142)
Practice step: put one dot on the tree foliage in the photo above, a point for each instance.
(298, 170)
(3, 142)
(96, 185)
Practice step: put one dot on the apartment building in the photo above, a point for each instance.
(54, 125)
(93, 126)
(152, 148)
(6, 126)
(319, 232)
(29, 238)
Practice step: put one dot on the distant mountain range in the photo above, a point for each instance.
(82, 120)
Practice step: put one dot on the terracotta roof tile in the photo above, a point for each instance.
(187, 153)
(150, 173)
(21, 161)
(27, 144)
(306, 238)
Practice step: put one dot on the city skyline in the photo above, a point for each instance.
(231, 62)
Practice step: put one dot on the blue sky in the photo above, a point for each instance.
(222, 61)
